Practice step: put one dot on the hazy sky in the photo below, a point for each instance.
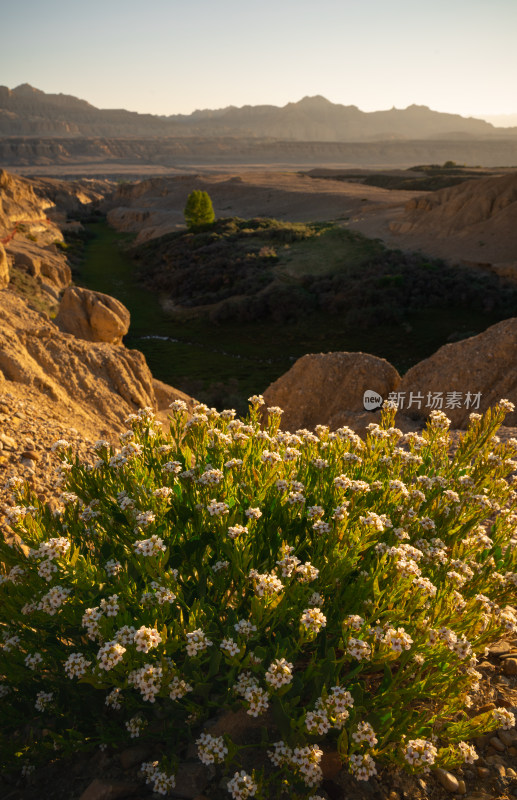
(173, 56)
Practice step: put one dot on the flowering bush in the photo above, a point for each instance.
(338, 589)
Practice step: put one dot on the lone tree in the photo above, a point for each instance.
(198, 210)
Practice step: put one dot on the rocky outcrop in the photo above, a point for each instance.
(92, 316)
(473, 222)
(484, 365)
(44, 262)
(328, 388)
(95, 380)
(19, 205)
(4, 268)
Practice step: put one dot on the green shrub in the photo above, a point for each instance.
(336, 589)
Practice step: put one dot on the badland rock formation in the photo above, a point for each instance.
(477, 219)
(97, 379)
(136, 157)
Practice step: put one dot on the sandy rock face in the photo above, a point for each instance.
(328, 389)
(19, 203)
(485, 364)
(93, 316)
(97, 380)
(4, 268)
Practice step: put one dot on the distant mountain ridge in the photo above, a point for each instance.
(26, 111)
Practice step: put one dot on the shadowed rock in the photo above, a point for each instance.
(486, 364)
(328, 388)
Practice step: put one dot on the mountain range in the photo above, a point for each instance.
(26, 111)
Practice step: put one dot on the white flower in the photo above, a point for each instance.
(258, 700)
(242, 785)
(280, 673)
(43, 700)
(76, 665)
(110, 605)
(505, 718)
(149, 547)
(359, 649)
(420, 753)
(230, 646)
(110, 654)
(211, 749)
(217, 509)
(197, 641)
(114, 699)
(146, 638)
(245, 628)
(365, 733)
(362, 766)
(32, 660)
(179, 688)
(313, 619)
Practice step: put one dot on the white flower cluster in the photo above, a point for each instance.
(242, 786)
(110, 605)
(76, 665)
(110, 654)
(179, 688)
(365, 733)
(33, 659)
(313, 619)
(162, 782)
(468, 752)
(211, 749)
(148, 680)
(43, 700)
(114, 699)
(504, 718)
(330, 711)
(217, 509)
(197, 641)
(230, 646)
(146, 638)
(279, 674)
(245, 628)
(53, 600)
(234, 531)
(135, 726)
(149, 547)
(420, 753)
(359, 649)
(363, 766)
(305, 761)
(266, 584)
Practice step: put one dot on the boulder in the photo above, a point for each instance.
(4, 268)
(93, 316)
(328, 389)
(482, 365)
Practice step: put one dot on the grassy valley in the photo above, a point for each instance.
(224, 310)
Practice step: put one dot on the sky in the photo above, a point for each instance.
(175, 56)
